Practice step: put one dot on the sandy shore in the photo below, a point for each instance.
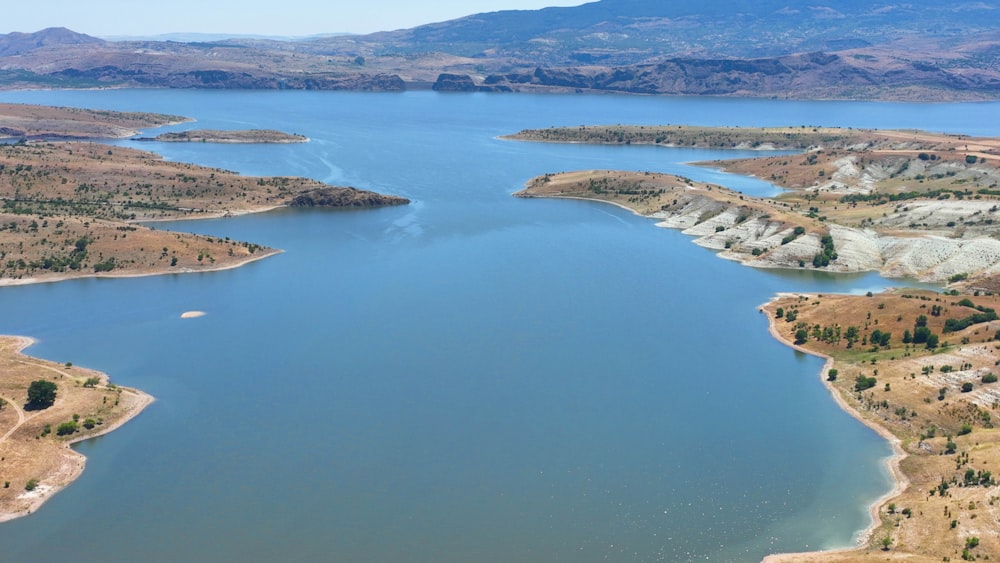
(72, 464)
(901, 482)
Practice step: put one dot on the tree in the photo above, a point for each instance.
(932, 341)
(41, 394)
(851, 335)
(801, 336)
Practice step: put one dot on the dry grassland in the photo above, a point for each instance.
(35, 460)
(948, 434)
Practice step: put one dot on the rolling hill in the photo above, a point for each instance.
(914, 50)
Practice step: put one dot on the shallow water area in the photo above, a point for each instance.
(472, 377)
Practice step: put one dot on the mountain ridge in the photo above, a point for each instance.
(917, 50)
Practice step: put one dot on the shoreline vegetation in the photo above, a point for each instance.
(917, 366)
(35, 447)
(71, 209)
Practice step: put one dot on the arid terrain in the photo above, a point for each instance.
(904, 203)
(34, 442)
(921, 367)
(72, 209)
(23, 121)
(918, 50)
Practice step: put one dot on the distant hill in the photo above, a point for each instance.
(210, 37)
(18, 43)
(632, 31)
(905, 50)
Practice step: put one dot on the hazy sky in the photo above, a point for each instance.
(267, 17)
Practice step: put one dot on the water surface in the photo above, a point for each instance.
(472, 377)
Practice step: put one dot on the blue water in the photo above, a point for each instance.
(472, 377)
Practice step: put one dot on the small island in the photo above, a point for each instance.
(247, 137)
(46, 407)
(918, 366)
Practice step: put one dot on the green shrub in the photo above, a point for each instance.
(66, 428)
(862, 383)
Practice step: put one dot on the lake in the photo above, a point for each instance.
(472, 377)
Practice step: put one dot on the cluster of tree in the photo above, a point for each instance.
(862, 383)
(984, 315)
(921, 334)
(796, 233)
(827, 255)
(879, 338)
(879, 198)
(105, 265)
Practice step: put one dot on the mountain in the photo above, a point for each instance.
(632, 31)
(906, 50)
(17, 43)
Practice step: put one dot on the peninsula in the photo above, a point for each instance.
(73, 209)
(917, 366)
(36, 460)
(25, 121)
(902, 203)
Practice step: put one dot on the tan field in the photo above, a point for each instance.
(35, 459)
(24, 121)
(947, 434)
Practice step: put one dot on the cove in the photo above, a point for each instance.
(471, 377)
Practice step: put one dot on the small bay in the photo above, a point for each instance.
(472, 377)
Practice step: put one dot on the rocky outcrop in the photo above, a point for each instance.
(762, 242)
(344, 198)
(447, 82)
